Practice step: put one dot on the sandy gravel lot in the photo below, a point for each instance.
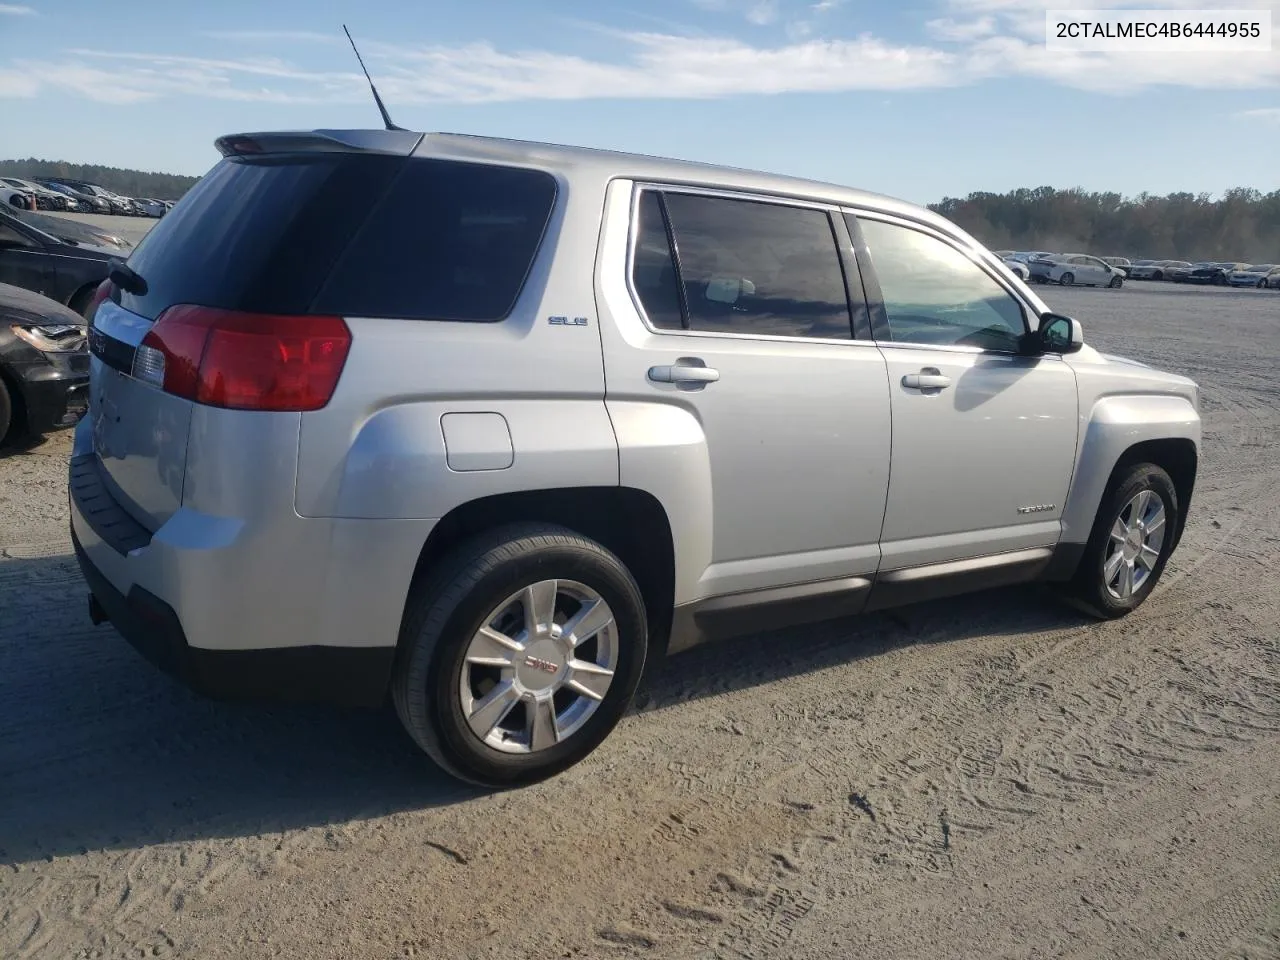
(988, 777)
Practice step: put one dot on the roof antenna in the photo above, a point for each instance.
(386, 117)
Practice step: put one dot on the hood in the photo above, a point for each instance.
(1113, 358)
(19, 305)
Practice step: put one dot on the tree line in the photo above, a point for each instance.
(127, 183)
(1243, 224)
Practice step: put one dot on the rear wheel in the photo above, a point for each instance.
(1130, 543)
(1157, 275)
(519, 654)
(1067, 279)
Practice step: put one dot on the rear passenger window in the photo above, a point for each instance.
(449, 241)
(755, 268)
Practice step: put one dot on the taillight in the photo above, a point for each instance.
(100, 293)
(244, 361)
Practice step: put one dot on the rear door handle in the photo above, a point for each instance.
(928, 378)
(687, 373)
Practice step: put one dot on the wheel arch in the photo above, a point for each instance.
(629, 522)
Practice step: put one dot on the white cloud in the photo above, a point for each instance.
(16, 10)
(1266, 114)
(960, 31)
(762, 13)
(980, 41)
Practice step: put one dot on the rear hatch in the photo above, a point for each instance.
(258, 234)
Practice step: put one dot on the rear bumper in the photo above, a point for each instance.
(264, 605)
(351, 676)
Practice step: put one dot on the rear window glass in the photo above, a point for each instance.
(349, 234)
(258, 234)
(450, 241)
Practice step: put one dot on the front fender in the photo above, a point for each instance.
(1113, 426)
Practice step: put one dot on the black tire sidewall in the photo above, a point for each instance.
(437, 662)
(1089, 578)
(6, 411)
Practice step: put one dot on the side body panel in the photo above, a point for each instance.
(378, 451)
(775, 474)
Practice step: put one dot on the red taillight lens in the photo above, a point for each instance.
(247, 361)
(100, 294)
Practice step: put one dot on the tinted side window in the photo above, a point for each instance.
(449, 241)
(653, 270)
(934, 294)
(762, 268)
(10, 237)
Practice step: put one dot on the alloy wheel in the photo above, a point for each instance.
(1133, 547)
(539, 666)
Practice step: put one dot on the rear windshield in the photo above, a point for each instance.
(349, 234)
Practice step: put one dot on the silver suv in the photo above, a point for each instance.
(485, 426)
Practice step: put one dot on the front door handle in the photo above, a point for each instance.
(929, 378)
(687, 373)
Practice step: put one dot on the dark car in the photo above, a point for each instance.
(1215, 273)
(44, 364)
(87, 202)
(59, 267)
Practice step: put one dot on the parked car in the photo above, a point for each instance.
(86, 202)
(1272, 279)
(440, 450)
(74, 231)
(1250, 275)
(152, 208)
(1178, 272)
(1171, 269)
(44, 364)
(1018, 267)
(1122, 262)
(1214, 273)
(113, 204)
(46, 199)
(14, 197)
(1082, 269)
(60, 268)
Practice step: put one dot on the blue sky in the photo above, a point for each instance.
(915, 98)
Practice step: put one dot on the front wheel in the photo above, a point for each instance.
(1067, 279)
(1116, 283)
(520, 654)
(1130, 544)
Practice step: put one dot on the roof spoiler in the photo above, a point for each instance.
(399, 143)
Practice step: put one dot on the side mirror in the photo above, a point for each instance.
(1059, 334)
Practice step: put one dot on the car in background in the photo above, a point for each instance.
(60, 268)
(1272, 279)
(1020, 269)
(1141, 269)
(44, 364)
(1212, 273)
(13, 197)
(46, 199)
(1169, 269)
(1250, 275)
(1179, 272)
(85, 202)
(79, 232)
(1081, 269)
(152, 208)
(114, 204)
(1122, 262)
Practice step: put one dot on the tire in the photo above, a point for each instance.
(1090, 587)
(1157, 275)
(6, 412)
(79, 301)
(1067, 279)
(434, 688)
(1116, 283)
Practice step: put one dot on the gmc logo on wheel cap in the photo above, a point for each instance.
(538, 664)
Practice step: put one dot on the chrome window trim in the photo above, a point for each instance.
(638, 187)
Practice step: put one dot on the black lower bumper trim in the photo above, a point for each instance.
(346, 676)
